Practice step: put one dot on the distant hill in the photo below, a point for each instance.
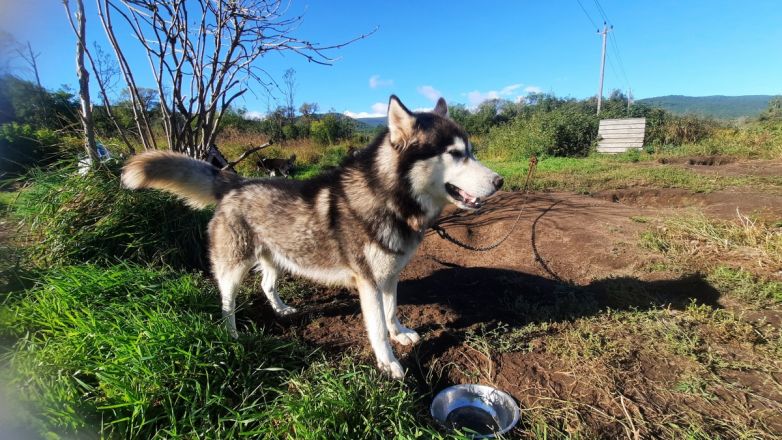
(374, 122)
(717, 106)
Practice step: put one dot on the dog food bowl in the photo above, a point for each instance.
(479, 408)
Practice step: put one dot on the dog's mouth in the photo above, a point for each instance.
(463, 199)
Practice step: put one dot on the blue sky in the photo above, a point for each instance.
(469, 51)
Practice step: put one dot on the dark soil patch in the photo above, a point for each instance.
(721, 204)
(725, 166)
(708, 161)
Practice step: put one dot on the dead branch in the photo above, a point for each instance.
(202, 62)
(245, 154)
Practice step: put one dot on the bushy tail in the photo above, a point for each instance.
(199, 183)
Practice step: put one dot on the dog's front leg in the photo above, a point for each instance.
(398, 332)
(374, 320)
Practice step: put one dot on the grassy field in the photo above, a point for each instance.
(108, 331)
(131, 351)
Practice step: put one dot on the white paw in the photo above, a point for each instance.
(285, 311)
(393, 369)
(405, 336)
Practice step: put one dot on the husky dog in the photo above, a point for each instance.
(275, 166)
(356, 226)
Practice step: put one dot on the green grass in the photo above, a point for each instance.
(72, 218)
(7, 198)
(596, 173)
(128, 351)
(742, 284)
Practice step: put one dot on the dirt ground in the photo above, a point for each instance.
(549, 286)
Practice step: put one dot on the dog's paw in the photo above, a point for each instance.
(393, 369)
(286, 311)
(405, 336)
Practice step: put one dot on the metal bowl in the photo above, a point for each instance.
(479, 408)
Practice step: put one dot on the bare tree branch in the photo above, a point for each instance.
(244, 156)
(202, 62)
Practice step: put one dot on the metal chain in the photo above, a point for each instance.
(533, 163)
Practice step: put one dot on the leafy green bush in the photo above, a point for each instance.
(24, 102)
(74, 218)
(572, 132)
(688, 129)
(561, 132)
(330, 129)
(22, 146)
(516, 140)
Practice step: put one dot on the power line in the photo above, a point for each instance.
(587, 15)
(612, 38)
(614, 43)
(602, 12)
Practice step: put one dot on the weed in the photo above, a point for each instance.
(694, 384)
(699, 240)
(742, 284)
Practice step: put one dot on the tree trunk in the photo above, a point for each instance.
(84, 84)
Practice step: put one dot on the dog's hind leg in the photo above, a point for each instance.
(269, 285)
(374, 320)
(229, 278)
(398, 332)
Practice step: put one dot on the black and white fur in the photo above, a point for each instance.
(355, 226)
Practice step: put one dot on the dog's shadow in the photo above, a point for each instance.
(475, 296)
(488, 296)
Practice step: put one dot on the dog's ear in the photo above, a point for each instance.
(400, 121)
(293, 158)
(441, 108)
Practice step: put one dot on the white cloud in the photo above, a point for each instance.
(379, 110)
(429, 92)
(254, 115)
(375, 81)
(354, 115)
(380, 107)
(476, 97)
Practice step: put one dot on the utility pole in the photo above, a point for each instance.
(605, 31)
(629, 99)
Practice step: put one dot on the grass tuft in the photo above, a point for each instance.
(73, 218)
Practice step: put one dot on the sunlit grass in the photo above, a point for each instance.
(128, 351)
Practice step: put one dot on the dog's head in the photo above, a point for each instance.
(437, 157)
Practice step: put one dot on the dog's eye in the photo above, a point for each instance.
(456, 154)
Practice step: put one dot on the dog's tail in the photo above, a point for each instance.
(199, 183)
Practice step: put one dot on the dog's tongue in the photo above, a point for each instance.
(469, 198)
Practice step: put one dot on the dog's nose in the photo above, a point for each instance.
(498, 181)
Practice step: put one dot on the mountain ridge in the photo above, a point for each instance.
(716, 106)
